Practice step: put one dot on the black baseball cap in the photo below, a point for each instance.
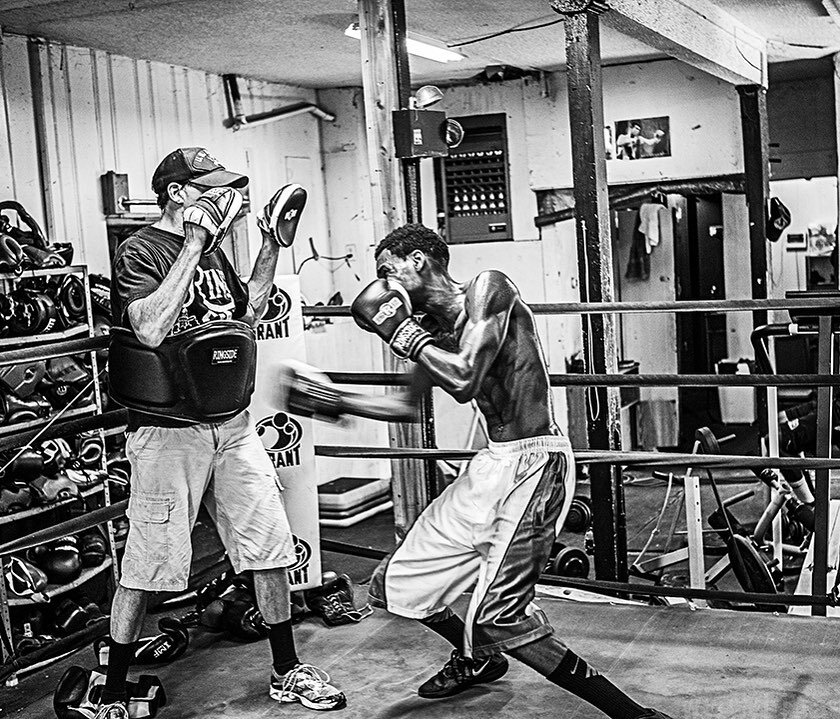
(196, 165)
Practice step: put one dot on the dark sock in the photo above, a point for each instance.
(120, 657)
(282, 643)
(449, 625)
(574, 675)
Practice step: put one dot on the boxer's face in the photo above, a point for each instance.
(404, 270)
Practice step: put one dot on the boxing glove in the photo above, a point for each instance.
(14, 497)
(241, 618)
(214, 212)
(69, 617)
(279, 218)
(92, 548)
(302, 389)
(70, 299)
(26, 465)
(62, 563)
(34, 313)
(24, 579)
(384, 308)
(47, 490)
(11, 254)
(13, 409)
(167, 646)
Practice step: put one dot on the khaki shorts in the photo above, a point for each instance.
(492, 529)
(222, 465)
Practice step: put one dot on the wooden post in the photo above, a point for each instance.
(385, 82)
(822, 478)
(595, 266)
(756, 141)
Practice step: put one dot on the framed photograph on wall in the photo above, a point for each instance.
(640, 139)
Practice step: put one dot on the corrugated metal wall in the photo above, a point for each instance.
(106, 112)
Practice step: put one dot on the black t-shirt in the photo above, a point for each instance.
(140, 264)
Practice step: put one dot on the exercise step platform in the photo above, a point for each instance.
(346, 501)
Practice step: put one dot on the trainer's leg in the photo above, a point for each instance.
(561, 666)
(271, 587)
(128, 610)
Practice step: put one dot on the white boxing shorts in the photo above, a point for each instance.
(493, 527)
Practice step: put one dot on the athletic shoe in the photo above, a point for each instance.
(653, 714)
(308, 685)
(461, 673)
(117, 710)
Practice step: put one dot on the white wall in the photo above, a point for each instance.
(106, 112)
(705, 140)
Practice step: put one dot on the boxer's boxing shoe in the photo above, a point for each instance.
(307, 685)
(461, 673)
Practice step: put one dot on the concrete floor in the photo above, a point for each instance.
(691, 664)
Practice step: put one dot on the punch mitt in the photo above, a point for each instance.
(214, 212)
(280, 217)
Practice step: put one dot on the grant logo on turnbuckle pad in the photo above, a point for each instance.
(281, 436)
(274, 323)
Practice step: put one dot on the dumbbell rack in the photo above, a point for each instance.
(25, 429)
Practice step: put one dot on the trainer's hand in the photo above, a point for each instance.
(305, 390)
(279, 218)
(384, 308)
(214, 212)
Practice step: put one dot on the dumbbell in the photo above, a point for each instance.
(580, 514)
(568, 562)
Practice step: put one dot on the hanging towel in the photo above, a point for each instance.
(649, 224)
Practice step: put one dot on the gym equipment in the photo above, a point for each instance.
(567, 562)
(579, 517)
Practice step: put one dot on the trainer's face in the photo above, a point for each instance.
(402, 269)
(186, 194)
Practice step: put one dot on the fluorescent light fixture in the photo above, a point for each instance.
(425, 47)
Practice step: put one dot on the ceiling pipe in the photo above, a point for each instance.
(238, 119)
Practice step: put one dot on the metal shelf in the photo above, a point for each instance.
(37, 423)
(43, 272)
(55, 590)
(50, 337)
(35, 511)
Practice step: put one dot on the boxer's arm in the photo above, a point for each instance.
(153, 316)
(489, 303)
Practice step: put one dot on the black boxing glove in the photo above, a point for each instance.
(62, 563)
(92, 548)
(167, 646)
(304, 390)
(69, 617)
(384, 308)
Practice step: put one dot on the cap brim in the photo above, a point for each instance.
(221, 178)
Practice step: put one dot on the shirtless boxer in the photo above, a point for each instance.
(494, 526)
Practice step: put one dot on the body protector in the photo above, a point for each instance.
(205, 374)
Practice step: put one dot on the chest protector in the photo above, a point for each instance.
(205, 374)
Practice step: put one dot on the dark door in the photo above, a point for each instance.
(701, 337)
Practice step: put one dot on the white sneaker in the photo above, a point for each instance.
(117, 710)
(305, 684)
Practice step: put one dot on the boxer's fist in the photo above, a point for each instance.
(305, 390)
(279, 218)
(384, 308)
(214, 212)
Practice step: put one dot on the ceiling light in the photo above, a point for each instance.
(422, 47)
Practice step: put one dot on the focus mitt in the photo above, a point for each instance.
(279, 218)
(214, 212)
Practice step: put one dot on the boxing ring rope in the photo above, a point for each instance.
(574, 379)
(590, 308)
